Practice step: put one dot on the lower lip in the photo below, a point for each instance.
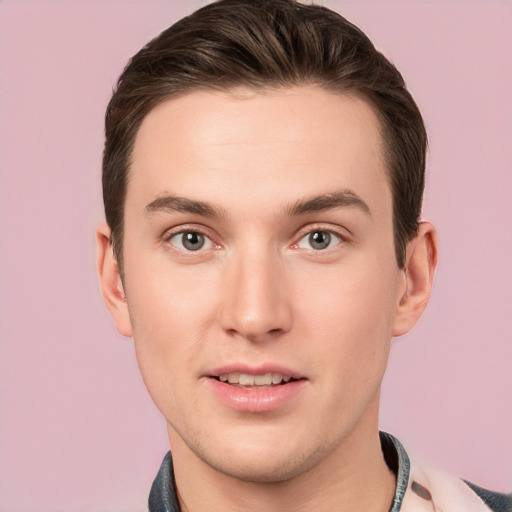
(255, 400)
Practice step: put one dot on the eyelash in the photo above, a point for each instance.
(183, 230)
(342, 238)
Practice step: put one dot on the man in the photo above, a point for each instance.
(263, 178)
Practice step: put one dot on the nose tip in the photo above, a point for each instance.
(255, 329)
(256, 306)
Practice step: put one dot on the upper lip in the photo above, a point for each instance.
(248, 369)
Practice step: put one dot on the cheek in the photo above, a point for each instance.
(170, 312)
(166, 297)
(349, 313)
(358, 296)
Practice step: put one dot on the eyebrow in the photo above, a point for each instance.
(170, 203)
(339, 199)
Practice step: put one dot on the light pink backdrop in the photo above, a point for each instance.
(78, 431)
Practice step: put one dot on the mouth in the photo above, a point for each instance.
(248, 381)
(256, 390)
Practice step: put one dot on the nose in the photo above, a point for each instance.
(256, 304)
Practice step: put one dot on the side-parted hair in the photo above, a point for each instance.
(263, 44)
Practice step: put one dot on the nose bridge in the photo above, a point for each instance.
(255, 305)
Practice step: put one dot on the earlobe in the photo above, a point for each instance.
(111, 285)
(421, 262)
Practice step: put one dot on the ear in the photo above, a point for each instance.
(421, 261)
(110, 281)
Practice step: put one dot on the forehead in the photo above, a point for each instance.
(270, 147)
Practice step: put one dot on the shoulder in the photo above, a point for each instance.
(422, 488)
(449, 493)
(496, 501)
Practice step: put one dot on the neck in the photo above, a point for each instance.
(353, 477)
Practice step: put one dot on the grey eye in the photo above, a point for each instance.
(190, 241)
(319, 239)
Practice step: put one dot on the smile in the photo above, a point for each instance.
(246, 380)
(256, 390)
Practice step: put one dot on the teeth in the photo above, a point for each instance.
(263, 380)
(233, 378)
(244, 379)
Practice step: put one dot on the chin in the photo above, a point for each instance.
(262, 471)
(263, 463)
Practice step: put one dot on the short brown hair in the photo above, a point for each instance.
(260, 44)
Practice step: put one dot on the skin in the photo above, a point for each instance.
(258, 292)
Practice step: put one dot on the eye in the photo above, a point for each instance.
(319, 240)
(190, 241)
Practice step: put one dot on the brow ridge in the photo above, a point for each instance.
(181, 204)
(344, 198)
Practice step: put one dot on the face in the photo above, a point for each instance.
(260, 274)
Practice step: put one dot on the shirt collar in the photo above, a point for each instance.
(398, 461)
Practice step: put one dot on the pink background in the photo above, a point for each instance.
(78, 431)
